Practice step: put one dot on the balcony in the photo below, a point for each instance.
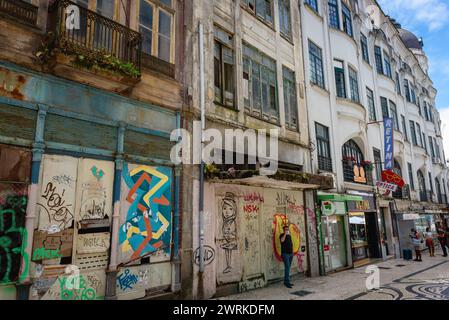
(19, 10)
(100, 52)
(357, 173)
(325, 163)
(402, 193)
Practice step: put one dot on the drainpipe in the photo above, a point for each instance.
(203, 127)
(176, 217)
(38, 150)
(111, 273)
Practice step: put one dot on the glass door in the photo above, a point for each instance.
(334, 244)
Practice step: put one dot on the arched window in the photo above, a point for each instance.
(422, 186)
(352, 163)
(438, 190)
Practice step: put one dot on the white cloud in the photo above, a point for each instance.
(434, 14)
(444, 116)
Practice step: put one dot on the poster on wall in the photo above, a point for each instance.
(146, 213)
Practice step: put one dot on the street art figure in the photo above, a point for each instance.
(279, 221)
(229, 228)
(148, 221)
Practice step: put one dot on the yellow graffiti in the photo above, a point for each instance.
(163, 228)
(279, 221)
(154, 172)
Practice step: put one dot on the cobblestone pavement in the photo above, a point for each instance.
(399, 280)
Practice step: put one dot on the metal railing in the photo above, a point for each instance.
(21, 10)
(94, 34)
(325, 163)
(402, 193)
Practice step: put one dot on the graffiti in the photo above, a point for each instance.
(93, 243)
(278, 224)
(60, 241)
(253, 197)
(295, 209)
(63, 179)
(251, 208)
(208, 256)
(97, 173)
(251, 284)
(284, 199)
(85, 292)
(13, 239)
(93, 202)
(229, 228)
(148, 221)
(54, 205)
(43, 254)
(127, 279)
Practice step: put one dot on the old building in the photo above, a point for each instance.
(90, 92)
(251, 54)
(361, 68)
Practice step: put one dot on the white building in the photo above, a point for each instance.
(360, 67)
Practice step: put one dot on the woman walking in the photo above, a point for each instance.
(415, 238)
(429, 241)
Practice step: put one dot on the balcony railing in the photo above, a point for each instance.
(96, 35)
(354, 172)
(402, 193)
(325, 163)
(20, 10)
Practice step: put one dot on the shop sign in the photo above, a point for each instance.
(410, 216)
(367, 204)
(326, 247)
(388, 135)
(386, 186)
(330, 208)
(391, 177)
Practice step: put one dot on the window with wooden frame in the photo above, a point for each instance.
(260, 84)
(371, 104)
(290, 99)
(340, 81)
(334, 19)
(262, 9)
(394, 115)
(347, 20)
(364, 47)
(354, 85)
(387, 65)
(156, 24)
(316, 65)
(224, 68)
(285, 21)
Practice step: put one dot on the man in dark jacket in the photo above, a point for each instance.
(287, 254)
(442, 238)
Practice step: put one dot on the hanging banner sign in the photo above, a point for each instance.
(391, 177)
(389, 143)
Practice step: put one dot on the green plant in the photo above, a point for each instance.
(47, 50)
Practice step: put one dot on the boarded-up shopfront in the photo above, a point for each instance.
(243, 225)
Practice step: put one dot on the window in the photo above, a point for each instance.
(398, 84)
(410, 176)
(430, 182)
(290, 99)
(419, 106)
(313, 4)
(394, 114)
(432, 150)
(413, 132)
(156, 27)
(354, 85)
(437, 149)
(387, 66)
(340, 82)
(426, 113)
(384, 106)
(259, 82)
(323, 147)
(404, 128)
(371, 105)
(285, 18)
(413, 95)
(334, 20)
(261, 8)
(424, 140)
(316, 65)
(378, 58)
(377, 163)
(419, 135)
(407, 90)
(364, 46)
(224, 68)
(347, 20)
(351, 150)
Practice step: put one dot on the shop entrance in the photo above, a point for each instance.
(364, 235)
(334, 242)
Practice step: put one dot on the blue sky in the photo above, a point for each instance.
(429, 19)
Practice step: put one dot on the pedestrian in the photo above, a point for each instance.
(287, 254)
(442, 238)
(416, 240)
(429, 241)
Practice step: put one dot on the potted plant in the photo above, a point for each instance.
(368, 165)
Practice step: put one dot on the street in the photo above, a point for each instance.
(399, 280)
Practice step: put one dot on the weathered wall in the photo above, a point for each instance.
(242, 229)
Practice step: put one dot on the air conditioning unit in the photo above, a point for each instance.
(334, 178)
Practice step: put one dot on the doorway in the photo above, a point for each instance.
(334, 242)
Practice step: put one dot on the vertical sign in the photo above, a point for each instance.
(389, 144)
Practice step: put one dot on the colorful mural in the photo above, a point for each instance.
(279, 221)
(147, 227)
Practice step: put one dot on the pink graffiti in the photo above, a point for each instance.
(251, 208)
(253, 197)
(300, 265)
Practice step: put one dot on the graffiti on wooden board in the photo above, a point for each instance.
(228, 210)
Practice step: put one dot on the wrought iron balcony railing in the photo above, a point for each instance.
(402, 193)
(20, 10)
(325, 163)
(94, 35)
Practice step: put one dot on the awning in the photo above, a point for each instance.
(338, 197)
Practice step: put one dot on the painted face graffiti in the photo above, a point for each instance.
(229, 228)
(148, 221)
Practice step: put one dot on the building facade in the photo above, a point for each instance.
(90, 92)
(361, 67)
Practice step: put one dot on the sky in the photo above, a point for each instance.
(429, 19)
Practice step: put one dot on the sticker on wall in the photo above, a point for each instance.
(146, 211)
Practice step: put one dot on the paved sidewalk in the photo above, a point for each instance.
(399, 280)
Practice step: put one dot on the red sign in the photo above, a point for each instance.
(391, 177)
(326, 247)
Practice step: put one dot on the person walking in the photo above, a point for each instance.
(287, 254)
(442, 238)
(429, 241)
(416, 240)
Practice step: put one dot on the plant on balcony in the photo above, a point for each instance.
(46, 52)
(368, 165)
